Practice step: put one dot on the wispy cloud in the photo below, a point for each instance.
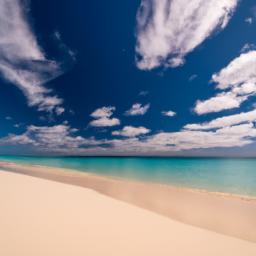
(18, 125)
(131, 131)
(249, 20)
(137, 109)
(238, 83)
(143, 93)
(248, 47)
(167, 30)
(252, 17)
(60, 110)
(192, 77)
(169, 113)
(22, 60)
(102, 117)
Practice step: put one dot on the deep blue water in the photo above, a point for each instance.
(236, 176)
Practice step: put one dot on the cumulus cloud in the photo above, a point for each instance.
(244, 117)
(169, 113)
(105, 122)
(235, 136)
(167, 30)
(130, 131)
(103, 117)
(62, 139)
(137, 109)
(240, 71)
(103, 112)
(169, 142)
(13, 139)
(22, 60)
(50, 138)
(218, 103)
(237, 80)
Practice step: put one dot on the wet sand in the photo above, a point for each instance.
(222, 213)
(42, 217)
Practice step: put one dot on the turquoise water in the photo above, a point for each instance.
(236, 176)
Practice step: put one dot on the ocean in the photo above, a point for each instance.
(227, 175)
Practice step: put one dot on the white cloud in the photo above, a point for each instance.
(103, 112)
(192, 77)
(143, 93)
(248, 47)
(167, 30)
(22, 60)
(137, 110)
(130, 131)
(169, 142)
(241, 70)
(238, 80)
(49, 138)
(249, 20)
(235, 136)
(18, 125)
(218, 103)
(244, 117)
(103, 117)
(60, 110)
(232, 132)
(169, 113)
(105, 122)
(16, 140)
(62, 139)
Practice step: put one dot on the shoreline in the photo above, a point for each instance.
(223, 213)
(245, 197)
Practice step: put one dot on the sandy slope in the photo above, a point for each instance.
(41, 217)
(223, 213)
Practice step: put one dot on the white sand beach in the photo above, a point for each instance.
(47, 218)
(227, 214)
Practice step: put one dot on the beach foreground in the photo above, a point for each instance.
(223, 213)
(42, 217)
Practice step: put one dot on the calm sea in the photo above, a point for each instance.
(236, 176)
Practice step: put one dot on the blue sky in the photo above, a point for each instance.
(128, 78)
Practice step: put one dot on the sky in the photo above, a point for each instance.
(142, 77)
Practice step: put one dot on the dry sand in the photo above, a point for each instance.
(222, 213)
(46, 218)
